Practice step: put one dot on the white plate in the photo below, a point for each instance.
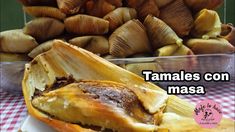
(33, 125)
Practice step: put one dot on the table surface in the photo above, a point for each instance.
(13, 110)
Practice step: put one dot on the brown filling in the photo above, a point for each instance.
(118, 96)
(115, 95)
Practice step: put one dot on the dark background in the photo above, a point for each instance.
(12, 16)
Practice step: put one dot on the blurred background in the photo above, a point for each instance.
(12, 16)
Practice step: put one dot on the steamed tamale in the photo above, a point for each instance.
(55, 80)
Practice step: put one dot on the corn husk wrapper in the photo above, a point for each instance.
(178, 17)
(148, 97)
(95, 44)
(210, 46)
(15, 41)
(197, 5)
(167, 50)
(41, 48)
(174, 50)
(176, 64)
(12, 57)
(70, 6)
(44, 11)
(64, 60)
(44, 28)
(38, 2)
(160, 34)
(86, 25)
(101, 8)
(111, 58)
(183, 50)
(207, 24)
(129, 39)
(228, 33)
(148, 7)
(120, 16)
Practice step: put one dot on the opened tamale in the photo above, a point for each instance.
(62, 84)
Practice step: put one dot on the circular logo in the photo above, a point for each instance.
(208, 114)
